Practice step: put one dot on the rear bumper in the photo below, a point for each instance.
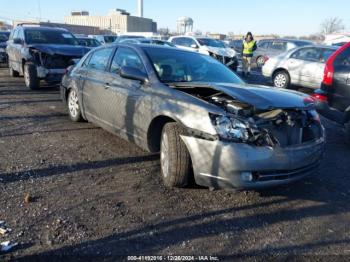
(220, 164)
(328, 112)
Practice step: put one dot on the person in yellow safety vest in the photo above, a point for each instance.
(249, 46)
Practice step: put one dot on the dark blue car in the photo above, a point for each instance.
(42, 53)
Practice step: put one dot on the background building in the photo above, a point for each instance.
(116, 21)
(184, 25)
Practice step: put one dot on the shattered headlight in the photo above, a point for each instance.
(231, 128)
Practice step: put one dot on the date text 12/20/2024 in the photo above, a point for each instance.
(173, 258)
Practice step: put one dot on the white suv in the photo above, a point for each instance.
(208, 46)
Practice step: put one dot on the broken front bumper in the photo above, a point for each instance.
(219, 164)
(50, 75)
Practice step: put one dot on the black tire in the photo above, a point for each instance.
(176, 168)
(30, 76)
(73, 106)
(13, 73)
(281, 79)
(260, 61)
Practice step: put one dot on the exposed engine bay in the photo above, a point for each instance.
(246, 124)
(52, 61)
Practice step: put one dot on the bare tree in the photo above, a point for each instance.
(332, 25)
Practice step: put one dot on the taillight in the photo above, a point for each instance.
(328, 73)
(319, 97)
(266, 58)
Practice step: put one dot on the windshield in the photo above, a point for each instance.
(89, 42)
(211, 42)
(4, 36)
(110, 38)
(50, 37)
(174, 66)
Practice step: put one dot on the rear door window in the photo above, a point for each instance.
(278, 45)
(264, 45)
(343, 59)
(100, 58)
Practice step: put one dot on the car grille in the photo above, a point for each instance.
(284, 175)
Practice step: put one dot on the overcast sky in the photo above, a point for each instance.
(284, 17)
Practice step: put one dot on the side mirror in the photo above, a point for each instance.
(17, 41)
(194, 46)
(133, 74)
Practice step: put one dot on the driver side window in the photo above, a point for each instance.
(126, 57)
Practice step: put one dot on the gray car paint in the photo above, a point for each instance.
(137, 106)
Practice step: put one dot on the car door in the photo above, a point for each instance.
(125, 94)
(302, 65)
(95, 87)
(12, 50)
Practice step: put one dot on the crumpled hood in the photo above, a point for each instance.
(221, 51)
(66, 50)
(261, 97)
(265, 98)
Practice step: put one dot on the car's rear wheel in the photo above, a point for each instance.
(260, 61)
(281, 79)
(73, 106)
(175, 160)
(30, 76)
(13, 73)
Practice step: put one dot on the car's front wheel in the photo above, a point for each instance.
(30, 76)
(281, 79)
(73, 106)
(175, 159)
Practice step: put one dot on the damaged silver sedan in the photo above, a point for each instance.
(201, 117)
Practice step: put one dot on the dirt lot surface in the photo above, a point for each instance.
(96, 196)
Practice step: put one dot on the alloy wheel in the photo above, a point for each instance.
(73, 104)
(280, 80)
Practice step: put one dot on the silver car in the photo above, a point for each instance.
(303, 66)
(201, 117)
(268, 48)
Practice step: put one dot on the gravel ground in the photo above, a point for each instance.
(93, 195)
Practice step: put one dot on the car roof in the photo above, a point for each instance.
(319, 46)
(45, 28)
(286, 40)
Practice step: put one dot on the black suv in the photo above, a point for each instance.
(333, 99)
(4, 36)
(42, 53)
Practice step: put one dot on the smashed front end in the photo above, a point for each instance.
(51, 66)
(229, 61)
(254, 147)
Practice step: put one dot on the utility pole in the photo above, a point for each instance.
(39, 8)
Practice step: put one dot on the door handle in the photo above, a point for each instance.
(107, 86)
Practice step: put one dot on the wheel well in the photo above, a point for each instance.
(280, 70)
(155, 131)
